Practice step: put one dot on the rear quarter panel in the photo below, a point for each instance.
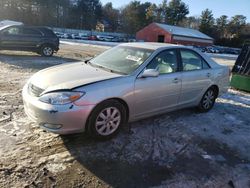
(54, 41)
(221, 78)
(221, 74)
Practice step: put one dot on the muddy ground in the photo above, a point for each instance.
(178, 149)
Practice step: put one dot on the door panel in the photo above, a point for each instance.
(193, 84)
(196, 76)
(30, 37)
(8, 41)
(155, 94)
(18, 37)
(10, 37)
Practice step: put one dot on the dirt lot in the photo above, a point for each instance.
(178, 149)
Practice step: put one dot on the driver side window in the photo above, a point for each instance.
(165, 62)
(12, 31)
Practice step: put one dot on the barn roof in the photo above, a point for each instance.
(182, 31)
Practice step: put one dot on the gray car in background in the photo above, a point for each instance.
(126, 83)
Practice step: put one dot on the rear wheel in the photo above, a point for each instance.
(47, 50)
(208, 100)
(106, 119)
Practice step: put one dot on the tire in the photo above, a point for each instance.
(47, 50)
(101, 125)
(208, 100)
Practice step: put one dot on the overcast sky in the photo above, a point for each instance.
(219, 7)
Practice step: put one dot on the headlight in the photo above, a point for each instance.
(61, 97)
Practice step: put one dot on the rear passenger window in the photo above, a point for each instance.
(192, 61)
(47, 32)
(27, 31)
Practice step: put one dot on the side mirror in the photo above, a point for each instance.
(87, 59)
(149, 73)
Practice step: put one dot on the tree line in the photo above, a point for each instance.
(226, 31)
(86, 14)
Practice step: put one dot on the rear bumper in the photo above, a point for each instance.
(69, 118)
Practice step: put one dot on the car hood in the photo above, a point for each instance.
(69, 76)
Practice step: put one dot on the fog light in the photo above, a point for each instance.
(52, 126)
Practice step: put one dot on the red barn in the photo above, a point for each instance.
(156, 32)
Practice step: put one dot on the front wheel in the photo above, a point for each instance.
(47, 50)
(207, 101)
(106, 119)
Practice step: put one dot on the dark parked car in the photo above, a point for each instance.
(26, 38)
(59, 35)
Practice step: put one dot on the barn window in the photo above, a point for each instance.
(161, 38)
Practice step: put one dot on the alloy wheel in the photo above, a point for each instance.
(208, 99)
(47, 51)
(108, 121)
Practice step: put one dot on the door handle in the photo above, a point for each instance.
(176, 80)
(208, 74)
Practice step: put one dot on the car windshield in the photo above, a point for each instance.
(121, 59)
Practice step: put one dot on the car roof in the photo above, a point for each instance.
(36, 27)
(43, 29)
(25, 26)
(155, 46)
(150, 45)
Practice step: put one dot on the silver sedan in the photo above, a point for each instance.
(126, 83)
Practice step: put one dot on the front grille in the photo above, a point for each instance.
(34, 90)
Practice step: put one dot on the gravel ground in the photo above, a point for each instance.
(178, 149)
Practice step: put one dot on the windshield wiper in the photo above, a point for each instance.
(95, 65)
(118, 72)
(105, 68)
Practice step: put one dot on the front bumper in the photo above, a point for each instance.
(66, 119)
